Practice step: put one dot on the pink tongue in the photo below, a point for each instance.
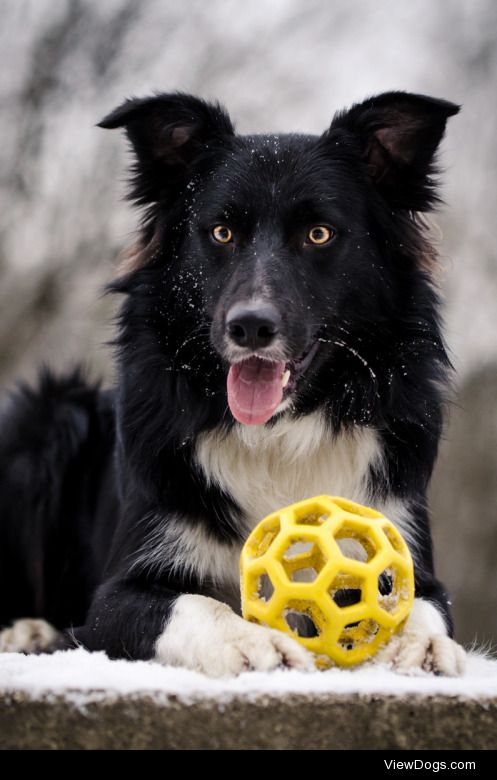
(255, 390)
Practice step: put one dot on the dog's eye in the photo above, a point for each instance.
(320, 234)
(222, 234)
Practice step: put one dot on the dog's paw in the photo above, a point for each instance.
(249, 647)
(430, 652)
(424, 644)
(29, 635)
(206, 636)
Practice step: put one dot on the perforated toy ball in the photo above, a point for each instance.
(336, 575)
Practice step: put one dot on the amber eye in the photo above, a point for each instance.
(320, 234)
(222, 234)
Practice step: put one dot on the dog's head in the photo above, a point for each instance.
(275, 251)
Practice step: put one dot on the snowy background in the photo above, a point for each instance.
(277, 65)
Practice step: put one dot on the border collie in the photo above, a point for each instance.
(279, 337)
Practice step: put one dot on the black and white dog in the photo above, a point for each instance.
(279, 338)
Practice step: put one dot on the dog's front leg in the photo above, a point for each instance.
(144, 620)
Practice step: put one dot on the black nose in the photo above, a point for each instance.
(253, 325)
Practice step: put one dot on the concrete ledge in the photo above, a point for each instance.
(80, 700)
(346, 722)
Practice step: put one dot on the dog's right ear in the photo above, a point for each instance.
(167, 132)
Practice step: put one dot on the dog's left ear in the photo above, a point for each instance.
(398, 135)
(167, 132)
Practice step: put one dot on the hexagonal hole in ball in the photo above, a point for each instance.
(307, 574)
(298, 547)
(313, 518)
(302, 561)
(265, 587)
(352, 545)
(303, 618)
(391, 587)
(346, 589)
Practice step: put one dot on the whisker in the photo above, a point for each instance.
(356, 354)
(194, 334)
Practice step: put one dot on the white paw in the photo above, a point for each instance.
(424, 644)
(206, 636)
(431, 652)
(29, 635)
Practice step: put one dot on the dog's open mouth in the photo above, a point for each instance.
(256, 386)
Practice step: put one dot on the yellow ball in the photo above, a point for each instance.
(335, 575)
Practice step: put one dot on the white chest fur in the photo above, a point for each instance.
(264, 469)
(267, 468)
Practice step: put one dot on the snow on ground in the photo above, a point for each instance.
(81, 677)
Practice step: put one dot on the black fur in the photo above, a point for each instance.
(88, 476)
